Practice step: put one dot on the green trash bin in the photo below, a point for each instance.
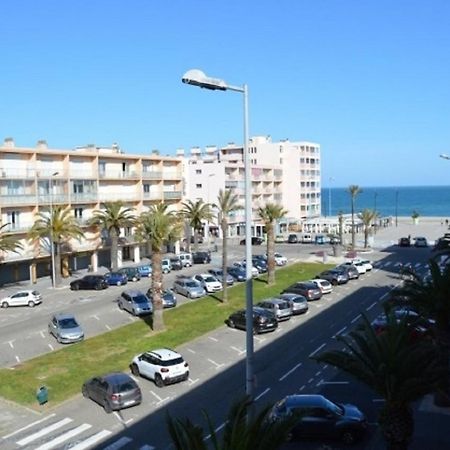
(42, 395)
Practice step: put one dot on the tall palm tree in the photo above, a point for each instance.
(112, 218)
(8, 242)
(241, 432)
(58, 227)
(158, 225)
(353, 190)
(269, 214)
(399, 369)
(431, 298)
(367, 216)
(195, 213)
(341, 227)
(227, 202)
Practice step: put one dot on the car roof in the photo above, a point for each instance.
(133, 292)
(116, 377)
(62, 316)
(305, 400)
(274, 300)
(164, 354)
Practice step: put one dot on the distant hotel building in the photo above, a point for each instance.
(286, 173)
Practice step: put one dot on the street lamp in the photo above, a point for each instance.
(329, 195)
(207, 231)
(396, 208)
(52, 248)
(198, 78)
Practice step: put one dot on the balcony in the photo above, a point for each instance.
(17, 199)
(54, 199)
(118, 174)
(113, 196)
(18, 173)
(172, 175)
(172, 195)
(153, 195)
(152, 175)
(88, 197)
(18, 227)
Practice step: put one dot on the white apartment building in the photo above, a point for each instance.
(287, 173)
(35, 179)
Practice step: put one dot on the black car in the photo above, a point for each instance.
(96, 282)
(238, 273)
(404, 242)
(176, 263)
(201, 257)
(256, 240)
(334, 276)
(321, 418)
(263, 320)
(260, 264)
(113, 391)
(293, 239)
(305, 288)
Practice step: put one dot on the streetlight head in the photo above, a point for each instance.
(198, 78)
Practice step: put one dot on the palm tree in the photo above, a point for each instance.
(431, 298)
(367, 216)
(8, 242)
(269, 214)
(195, 213)
(227, 202)
(58, 227)
(399, 369)
(158, 225)
(341, 227)
(112, 218)
(243, 431)
(353, 190)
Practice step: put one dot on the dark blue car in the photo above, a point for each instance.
(238, 273)
(116, 278)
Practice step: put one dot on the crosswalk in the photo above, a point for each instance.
(51, 433)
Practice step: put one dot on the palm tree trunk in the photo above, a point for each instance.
(397, 424)
(270, 254)
(195, 241)
(157, 288)
(114, 248)
(57, 259)
(366, 237)
(353, 224)
(224, 227)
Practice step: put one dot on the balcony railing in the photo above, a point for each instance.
(111, 196)
(17, 199)
(153, 195)
(152, 175)
(171, 175)
(17, 227)
(118, 174)
(83, 197)
(172, 195)
(17, 173)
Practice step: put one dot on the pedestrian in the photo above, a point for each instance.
(446, 222)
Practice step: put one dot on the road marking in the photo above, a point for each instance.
(371, 306)
(384, 296)
(238, 350)
(289, 372)
(51, 347)
(319, 382)
(318, 373)
(317, 350)
(87, 443)
(108, 327)
(310, 380)
(44, 431)
(96, 317)
(37, 422)
(213, 339)
(190, 350)
(355, 318)
(339, 332)
(303, 387)
(262, 393)
(147, 447)
(191, 381)
(119, 443)
(42, 334)
(335, 382)
(11, 343)
(17, 359)
(64, 437)
(218, 366)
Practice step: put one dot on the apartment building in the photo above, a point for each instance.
(36, 179)
(286, 173)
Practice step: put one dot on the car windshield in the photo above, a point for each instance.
(140, 299)
(191, 284)
(70, 322)
(334, 408)
(209, 280)
(35, 293)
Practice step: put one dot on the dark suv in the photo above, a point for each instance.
(132, 273)
(334, 276)
(305, 288)
(256, 240)
(263, 320)
(96, 282)
(201, 257)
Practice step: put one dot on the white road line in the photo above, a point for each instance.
(319, 382)
(262, 393)
(87, 443)
(355, 318)
(289, 372)
(11, 343)
(340, 331)
(190, 350)
(417, 265)
(335, 382)
(318, 373)
(238, 350)
(303, 387)
(213, 339)
(64, 437)
(51, 347)
(384, 296)
(17, 359)
(44, 431)
(37, 422)
(108, 327)
(119, 443)
(218, 366)
(191, 381)
(371, 306)
(310, 380)
(317, 350)
(42, 334)
(96, 317)
(220, 427)
(156, 396)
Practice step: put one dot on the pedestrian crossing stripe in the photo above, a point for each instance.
(44, 431)
(91, 440)
(64, 437)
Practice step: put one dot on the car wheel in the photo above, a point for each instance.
(120, 306)
(334, 282)
(97, 287)
(107, 407)
(348, 437)
(231, 324)
(134, 279)
(31, 304)
(5, 305)
(58, 339)
(75, 287)
(135, 370)
(158, 380)
(84, 392)
(119, 283)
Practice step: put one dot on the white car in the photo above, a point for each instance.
(209, 282)
(366, 263)
(255, 271)
(163, 366)
(359, 266)
(22, 298)
(324, 285)
(280, 260)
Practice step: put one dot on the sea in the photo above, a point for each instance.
(428, 201)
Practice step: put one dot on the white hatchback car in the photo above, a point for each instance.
(22, 298)
(324, 285)
(163, 366)
(280, 260)
(365, 262)
(209, 282)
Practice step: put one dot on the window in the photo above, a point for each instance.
(78, 213)
(13, 218)
(198, 186)
(198, 171)
(146, 188)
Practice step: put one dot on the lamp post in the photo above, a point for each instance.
(198, 78)
(329, 195)
(396, 208)
(52, 248)
(207, 231)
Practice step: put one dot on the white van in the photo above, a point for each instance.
(166, 266)
(186, 259)
(306, 238)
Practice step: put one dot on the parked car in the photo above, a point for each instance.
(367, 264)
(324, 285)
(256, 240)
(116, 278)
(279, 239)
(238, 273)
(145, 270)
(263, 320)
(188, 287)
(114, 391)
(135, 302)
(163, 366)
(321, 418)
(201, 258)
(260, 264)
(404, 242)
(199, 239)
(280, 260)
(175, 263)
(420, 242)
(65, 328)
(305, 288)
(96, 282)
(299, 303)
(218, 273)
(132, 273)
(27, 297)
(242, 265)
(334, 276)
(293, 239)
(169, 299)
(166, 265)
(282, 309)
(208, 282)
(186, 259)
(321, 239)
(360, 267)
(351, 270)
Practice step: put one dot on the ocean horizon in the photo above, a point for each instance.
(401, 201)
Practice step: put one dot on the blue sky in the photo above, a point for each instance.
(368, 80)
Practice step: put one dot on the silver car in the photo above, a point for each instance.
(218, 273)
(299, 303)
(135, 302)
(65, 328)
(28, 297)
(280, 308)
(188, 287)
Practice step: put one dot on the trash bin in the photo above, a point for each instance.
(42, 395)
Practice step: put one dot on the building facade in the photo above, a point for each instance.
(36, 179)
